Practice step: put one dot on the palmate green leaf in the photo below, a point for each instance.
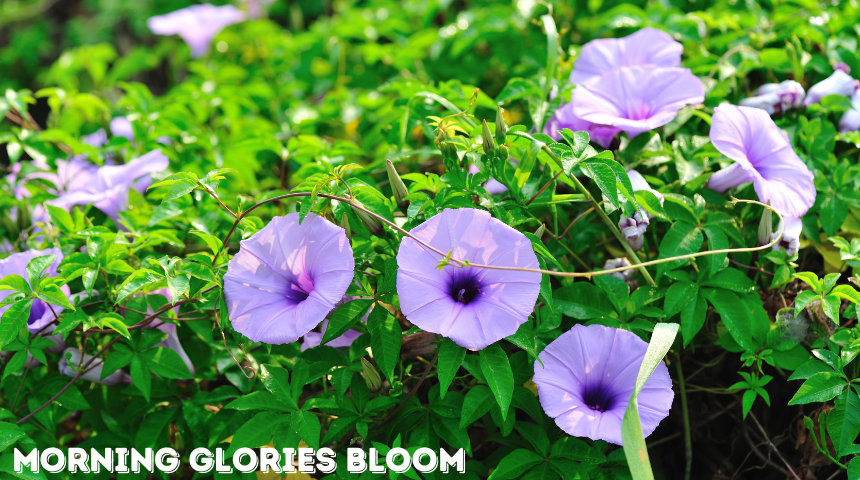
(167, 363)
(307, 426)
(681, 239)
(345, 317)
(736, 318)
(276, 380)
(515, 464)
(680, 295)
(497, 370)
(578, 143)
(385, 340)
(256, 432)
(820, 387)
(136, 281)
(631, 428)
(37, 266)
(14, 319)
(451, 357)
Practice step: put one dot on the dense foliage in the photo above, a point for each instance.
(377, 117)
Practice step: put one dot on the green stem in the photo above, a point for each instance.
(688, 441)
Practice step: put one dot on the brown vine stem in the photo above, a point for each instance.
(465, 263)
(773, 447)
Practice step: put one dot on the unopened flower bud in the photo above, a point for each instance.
(449, 152)
(614, 263)
(765, 227)
(501, 127)
(487, 137)
(503, 152)
(369, 221)
(397, 185)
(371, 376)
(344, 224)
(839, 83)
(540, 230)
(633, 230)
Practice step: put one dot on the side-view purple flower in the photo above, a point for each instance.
(197, 24)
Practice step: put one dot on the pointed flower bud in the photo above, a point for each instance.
(540, 230)
(371, 376)
(344, 224)
(765, 227)
(397, 185)
(614, 263)
(501, 127)
(487, 137)
(370, 222)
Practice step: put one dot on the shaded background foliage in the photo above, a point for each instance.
(325, 83)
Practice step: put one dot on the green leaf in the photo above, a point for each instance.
(478, 401)
(169, 364)
(843, 422)
(256, 432)
(830, 304)
(260, 400)
(631, 428)
(515, 464)
(213, 242)
(52, 294)
(604, 176)
(277, 381)
(385, 340)
(731, 279)
(736, 318)
(803, 299)
(14, 282)
(451, 357)
(307, 426)
(524, 168)
(693, 318)
(115, 322)
(14, 319)
(345, 317)
(679, 296)
(681, 239)
(846, 292)
(61, 218)
(37, 266)
(153, 429)
(140, 376)
(820, 387)
(136, 281)
(497, 370)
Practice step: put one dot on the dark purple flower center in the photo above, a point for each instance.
(598, 397)
(299, 289)
(37, 310)
(464, 286)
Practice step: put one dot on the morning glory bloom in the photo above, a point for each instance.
(197, 24)
(637, 99)
(634, 228)
(94, 371)
(121, 127)
(776, 97)
(40, 313)
(587, 377)
(839, 83)
(108, 188)
(850, 120)
(647, 46)
(791, 228)
(287, 278)
(762, 155)
(472, 306)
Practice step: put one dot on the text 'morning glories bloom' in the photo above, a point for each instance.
(287, 278)
(40, 313)
(634, 228)
(587, 378)
(108, 188)
(762, 155)
(474, 307)
(839, 83)
(647, 46)
(776, 97)
(197, 24)
(637, 99)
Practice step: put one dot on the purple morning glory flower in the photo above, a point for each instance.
(762, 155)
(839, 83)
(637, 99)
(40, 313)
(472, 306)
(634, 228)
(790, 241)
(850, 120)
(197, 24)
(108, 188)
(287, 278)
(776, 97)
(94, 371)
(647, 46)
(587, 377)
(121, 127)
(172, 341)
